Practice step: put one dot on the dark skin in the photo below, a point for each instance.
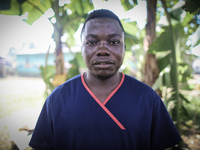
(103, 53)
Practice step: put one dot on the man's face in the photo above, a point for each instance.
(103, 47)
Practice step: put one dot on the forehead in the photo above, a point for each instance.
(102, 25)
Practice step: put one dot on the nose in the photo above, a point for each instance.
(102, 50)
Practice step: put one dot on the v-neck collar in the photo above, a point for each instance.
(109, 96)
(102, 105)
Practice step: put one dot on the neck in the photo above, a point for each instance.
(96, 81)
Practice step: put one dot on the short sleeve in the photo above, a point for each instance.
(163, 131)
(42, 137)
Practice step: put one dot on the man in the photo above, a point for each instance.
(103, 109)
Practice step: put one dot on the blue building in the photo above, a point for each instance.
(29, 64)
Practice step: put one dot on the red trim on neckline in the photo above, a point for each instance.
(115, 90)
(107, 99)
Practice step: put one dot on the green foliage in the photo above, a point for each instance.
(74, 70)
(163, 62)
(173, 64)
(131, 31)
(188, 17)
(192, 119)
(65, 22)
(80, 7)
(79, 58)
(127, 4)
(47, 73)
(129, 64)
(176, 13)
(14, 9)
(71, 22)
(184, 72)
(35, 9)
(163, 43)
(130, 27)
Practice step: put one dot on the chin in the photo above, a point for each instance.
(104, 77)
(104, 74)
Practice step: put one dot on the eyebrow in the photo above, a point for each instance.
(92, 35)
(113, 35)
(109, 35)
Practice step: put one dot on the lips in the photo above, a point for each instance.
(103, 64)
(99, 62)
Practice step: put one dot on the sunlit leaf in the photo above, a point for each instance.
(33, 15)
(158, 83)
(130, 40)
(131, 30)
(80, 60)
(177, 11)
(188, 17)
(35, 9)
(163, 62)
(74, 70)
(183, 98)
(130, 27)
(59, 79)
(80, 7)
(178, 32)
(167, 79)
(162, 43)
(128, 4)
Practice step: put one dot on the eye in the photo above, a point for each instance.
(114, 42)
(91, 42)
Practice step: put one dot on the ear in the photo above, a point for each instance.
(124, 47)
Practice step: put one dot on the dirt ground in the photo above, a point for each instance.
(192, 139)
(21, 100)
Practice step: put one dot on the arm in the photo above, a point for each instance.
(163, 131)
(42, 137)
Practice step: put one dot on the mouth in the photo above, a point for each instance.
(103, 64)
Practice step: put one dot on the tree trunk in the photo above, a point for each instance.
(151, 71)
(151, 23)
(59, 58)
(58, 32)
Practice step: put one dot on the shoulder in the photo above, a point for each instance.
(141, 91)
(65, 89)
(137, 85)
(68, 84)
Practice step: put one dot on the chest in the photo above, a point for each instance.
(102, 94)
(81, 118)
(83, 112)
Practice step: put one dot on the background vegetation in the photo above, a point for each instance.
(159, 54)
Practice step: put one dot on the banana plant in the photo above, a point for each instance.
(168, 47)
(68, 17)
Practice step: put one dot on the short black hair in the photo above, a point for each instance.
(102, 13)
